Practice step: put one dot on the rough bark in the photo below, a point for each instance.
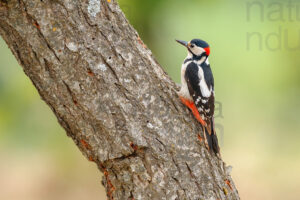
(113, 99)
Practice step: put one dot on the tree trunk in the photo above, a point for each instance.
(113, 99)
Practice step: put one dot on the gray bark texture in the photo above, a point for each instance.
(113, 99)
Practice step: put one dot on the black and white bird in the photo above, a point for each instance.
(197, 89)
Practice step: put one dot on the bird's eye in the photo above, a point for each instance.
(192, 46)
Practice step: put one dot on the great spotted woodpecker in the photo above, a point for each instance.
(197, 89)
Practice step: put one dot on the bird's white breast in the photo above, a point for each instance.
(184, 91)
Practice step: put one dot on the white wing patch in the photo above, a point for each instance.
(203, 86)
(204, 101)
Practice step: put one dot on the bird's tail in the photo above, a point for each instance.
(211, 137)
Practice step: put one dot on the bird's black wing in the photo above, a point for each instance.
(205, 105)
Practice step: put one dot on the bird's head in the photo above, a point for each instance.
(196, 47)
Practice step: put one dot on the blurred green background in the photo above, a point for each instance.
(257, 83)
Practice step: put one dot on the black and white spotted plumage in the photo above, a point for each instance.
(204, 103)
(198, 86)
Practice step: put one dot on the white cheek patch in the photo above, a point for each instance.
(197, 50)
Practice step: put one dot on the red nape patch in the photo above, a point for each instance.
(207, 50)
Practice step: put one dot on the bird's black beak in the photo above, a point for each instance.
(184, 43)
